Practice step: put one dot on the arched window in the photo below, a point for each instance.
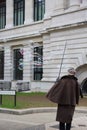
(39, 9)
(2, 14)
(19, 12)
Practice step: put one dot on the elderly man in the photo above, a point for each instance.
(66, 94)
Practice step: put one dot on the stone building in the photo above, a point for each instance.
(33, 35)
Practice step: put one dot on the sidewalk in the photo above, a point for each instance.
(39, 119)
(79, 120)
(79, 123)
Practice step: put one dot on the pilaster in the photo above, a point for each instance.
(59, 6)
(74, 4)
(84, 3)
(7, 63)
(49, 6)
(9, 13)
(27, 61)
(28, 11)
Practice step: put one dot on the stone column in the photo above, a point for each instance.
(27, 61)
(28, 11)
(7, 63)
(74, 4)
(9, 13)
(59, 6)
(49, 5)
(84, 3)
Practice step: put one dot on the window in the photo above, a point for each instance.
(2, 14)
(19, 12)
(38, 63)
(39, 9)
(1, 64)
(18, 64)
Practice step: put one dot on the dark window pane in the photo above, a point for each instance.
(18, 64)
(1, 64)
(38, 63)
(39, 9)
(19, 12)
(2, 14)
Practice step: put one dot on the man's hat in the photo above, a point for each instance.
(71, 70)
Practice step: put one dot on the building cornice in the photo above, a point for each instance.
(44, 31)
(19, 37)
(64, 27)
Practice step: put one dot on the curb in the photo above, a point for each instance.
(37, 110)
(81, 110)
(27, 111)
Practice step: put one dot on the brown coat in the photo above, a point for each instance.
(65, 113)
(66, 94)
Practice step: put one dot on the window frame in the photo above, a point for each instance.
(17, 12)
(39, 13)
(3, 14)
(14, 73)
(38, 70)
(2, 66)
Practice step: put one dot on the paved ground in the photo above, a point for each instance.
(41, 121)
(79, 122)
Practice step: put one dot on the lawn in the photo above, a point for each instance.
(31, 100)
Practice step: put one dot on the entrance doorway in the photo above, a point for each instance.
(84, 86)
(82, 77)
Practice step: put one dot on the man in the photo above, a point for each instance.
(66, 94)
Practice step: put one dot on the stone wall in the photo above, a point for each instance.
(63, 23)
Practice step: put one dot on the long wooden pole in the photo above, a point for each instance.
(62, 61)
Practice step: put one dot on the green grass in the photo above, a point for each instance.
(31, 100)
(31, 93)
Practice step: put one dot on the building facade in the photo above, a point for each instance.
(33, 36)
